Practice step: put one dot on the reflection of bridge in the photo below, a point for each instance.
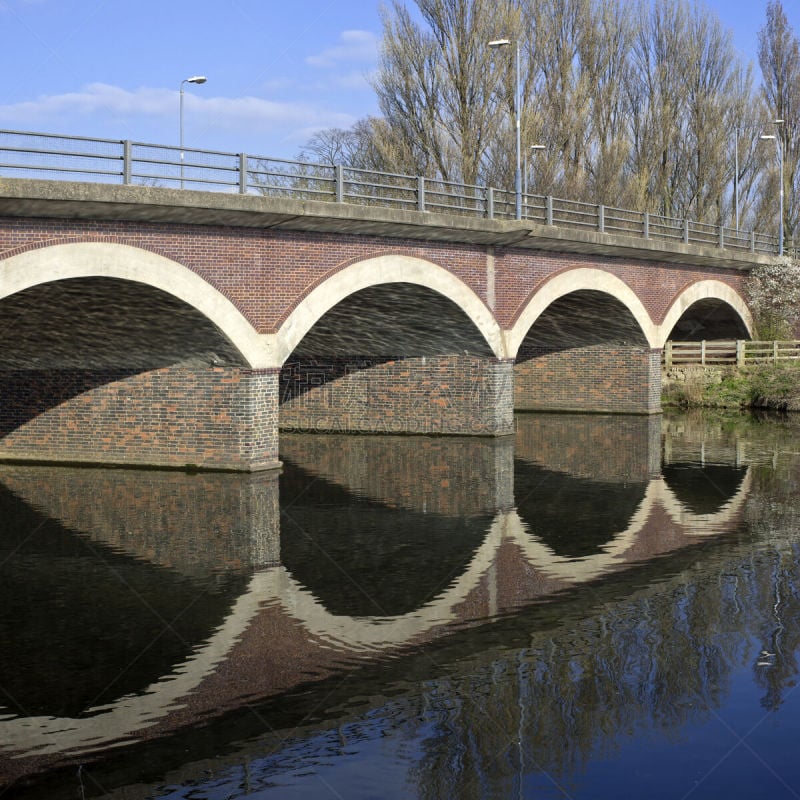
(172, 328)
(280, 619)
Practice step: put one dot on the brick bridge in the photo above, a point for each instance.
(178, 328)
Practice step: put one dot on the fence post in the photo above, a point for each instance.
(126, 161)
(646, 231)
(601, 218)
(242, 173)
(668, 354)
(740, 352)
(420, 193)
(752, 241)
(703, 353)
(721, 237)
(686, 231)
(338, 171)
(775, 352)
(490, 202)
(548, 210)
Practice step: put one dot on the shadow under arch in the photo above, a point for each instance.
(583, 279)
(698, 292)
(378, 271)
(108, 260)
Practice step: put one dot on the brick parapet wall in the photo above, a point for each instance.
(266, 273)
(622, 380)
(459, 395)
(213, 418)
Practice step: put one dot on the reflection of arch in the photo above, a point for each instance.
(132, 714)
(702, 290)
(380, 270)
(379, 633)
(576, 280)
(121, 261)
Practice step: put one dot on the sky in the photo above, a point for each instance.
(277, 70)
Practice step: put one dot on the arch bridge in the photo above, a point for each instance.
(147, 325)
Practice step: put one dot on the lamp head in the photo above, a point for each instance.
(197, 79)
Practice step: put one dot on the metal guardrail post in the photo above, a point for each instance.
(338, 171)
(420, 193)
(601, 218)
(126, 161)
(242, 173)
(646, 225)
(548, 213)
(490, 202)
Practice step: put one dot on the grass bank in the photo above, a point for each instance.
(770, 386)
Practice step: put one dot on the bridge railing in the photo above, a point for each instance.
(62, 157)
(735, 351)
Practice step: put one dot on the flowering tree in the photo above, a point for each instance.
(773, 293)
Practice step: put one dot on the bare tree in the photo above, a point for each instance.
(779, 58)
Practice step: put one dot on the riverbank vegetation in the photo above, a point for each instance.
(768, 386)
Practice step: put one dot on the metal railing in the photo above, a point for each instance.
(740, 352)
(61, 157)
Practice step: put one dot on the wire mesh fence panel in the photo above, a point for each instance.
(620, 220)
(54, 157)
(167, 166)
(273, 177)
(575, 214)
(666, 228)
(383, 189)
(534, 208)
(454, 198)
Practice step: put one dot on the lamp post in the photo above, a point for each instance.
(193, 79)
(517, 103)
(779, 146)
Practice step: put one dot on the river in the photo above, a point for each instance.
(596, 607)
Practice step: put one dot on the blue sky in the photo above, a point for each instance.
(277, 69)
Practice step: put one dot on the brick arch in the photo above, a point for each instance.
(702, 290)
(125, 262)
(575, 280)
(392, 268)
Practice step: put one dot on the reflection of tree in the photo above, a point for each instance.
(659, 658)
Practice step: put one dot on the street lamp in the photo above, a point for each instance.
(193, 79)
(517, 103)
(779, 146)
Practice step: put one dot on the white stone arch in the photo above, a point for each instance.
(576, 280)
(113, 260)
(383, 270)
(703, 290)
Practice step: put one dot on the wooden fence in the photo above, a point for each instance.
(733, 351)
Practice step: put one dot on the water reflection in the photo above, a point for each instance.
(568, 571)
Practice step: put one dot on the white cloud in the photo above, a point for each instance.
(361, 46)
(101, 99)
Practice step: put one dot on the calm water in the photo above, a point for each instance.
(597, 607)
